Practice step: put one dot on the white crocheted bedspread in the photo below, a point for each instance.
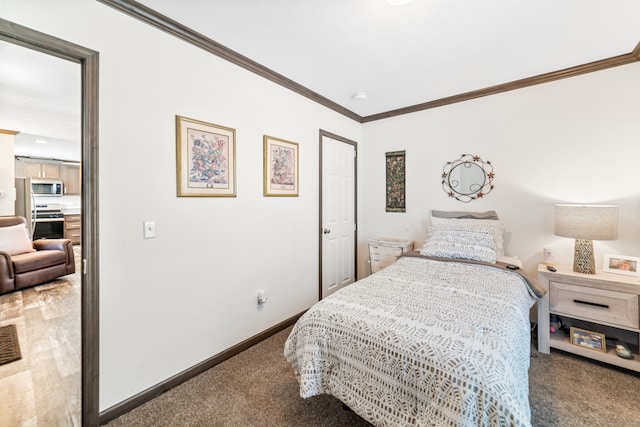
(421, 343)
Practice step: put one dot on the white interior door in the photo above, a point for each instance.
(338, 225)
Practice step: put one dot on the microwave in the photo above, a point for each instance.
(46, 187)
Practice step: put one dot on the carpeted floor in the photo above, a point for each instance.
(257, 388)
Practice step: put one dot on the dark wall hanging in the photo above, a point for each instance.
(396, 181)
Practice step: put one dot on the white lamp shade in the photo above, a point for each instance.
(588, 222)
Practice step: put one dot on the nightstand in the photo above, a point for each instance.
(605, 303)
(385, 251)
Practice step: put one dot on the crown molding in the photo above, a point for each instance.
(155, 19)
(145, 14)
(603, 64)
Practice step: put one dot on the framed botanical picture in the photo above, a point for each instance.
(621, 264)
(588, 339)
(206, 159)
(280, 167)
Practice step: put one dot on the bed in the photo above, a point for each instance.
(431, 340)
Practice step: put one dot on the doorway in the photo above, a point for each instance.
(338, 213)
(88, 60)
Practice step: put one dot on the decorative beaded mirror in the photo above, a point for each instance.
(467, 178)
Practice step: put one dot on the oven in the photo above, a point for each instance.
(48, 224)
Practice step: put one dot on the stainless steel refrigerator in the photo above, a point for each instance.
(25, 202)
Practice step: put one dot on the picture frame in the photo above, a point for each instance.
(281, 167)
(205, 159)
(395, 181)
(621, 264)
(588, 339)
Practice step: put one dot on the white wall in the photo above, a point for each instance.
(169, 303)
(569, 141)
(7, 173)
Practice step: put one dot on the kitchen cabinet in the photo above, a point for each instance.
(72, 228)
(70, 176)
(36, 168)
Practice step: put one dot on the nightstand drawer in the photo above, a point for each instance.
(600, 305)
(384, 252)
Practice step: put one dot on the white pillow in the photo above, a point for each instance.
(476, 244)
(496, 226)
(14, 240)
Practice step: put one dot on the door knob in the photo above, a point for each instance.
(326, 231)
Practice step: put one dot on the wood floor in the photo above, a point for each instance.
(43, 388)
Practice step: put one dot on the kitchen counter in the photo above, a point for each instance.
(68, 210)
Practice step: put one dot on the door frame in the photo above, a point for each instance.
(324, 133)
(89, 62)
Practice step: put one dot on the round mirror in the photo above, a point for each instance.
(467, 178)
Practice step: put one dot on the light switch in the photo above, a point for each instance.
(149, 229)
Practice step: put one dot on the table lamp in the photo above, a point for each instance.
(586, 223)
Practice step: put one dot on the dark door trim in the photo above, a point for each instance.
(88, 60)
(324, 133)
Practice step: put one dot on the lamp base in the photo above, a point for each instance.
(583, 261)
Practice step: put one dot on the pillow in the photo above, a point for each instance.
(497, 227)
(463, 214)
(476, 244)
(14, 240)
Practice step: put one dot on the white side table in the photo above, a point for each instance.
(385, 251)
(605, 303)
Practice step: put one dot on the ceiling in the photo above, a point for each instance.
(40, 98)
(414, 53)
(399, 56)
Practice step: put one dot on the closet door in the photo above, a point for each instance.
(338, 221)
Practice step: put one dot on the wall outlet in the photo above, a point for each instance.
(262, 297)
(149, 229)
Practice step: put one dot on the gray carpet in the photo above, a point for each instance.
(257, 388)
